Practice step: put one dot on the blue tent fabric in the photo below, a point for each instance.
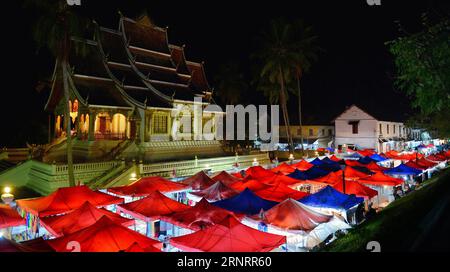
(378, 158)
(317, 162)
(328, 160)
(403, 170)
(246, 202)
(354, 155)
(330, 167)
(365, 160)
(329, 149)
(312, 173)
(329, 197)
(297, 174)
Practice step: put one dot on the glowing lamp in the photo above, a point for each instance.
(7, 190)
(7, 197)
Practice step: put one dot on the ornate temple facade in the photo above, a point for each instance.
(125, 85)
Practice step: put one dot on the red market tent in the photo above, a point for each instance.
(65, 200)
(293, 215)
(259, 172)
(366, 152)
(426, 163)
(380, 179)
(436, 158)
(9, 217)
(152, 207)
(302, 165)
(249, 183)
(135, 247)
(103, 236)
(352, 173)
(148, 185)
(331, 178)
(225, 178)
(80, 218)
(35, 245)
(355, 188)
(279, 193)
(228, 236)
(200, 216)
(334, 158)
(198, 181)
(413, 164)
(279, 178)
(216, 192)
(354, 163)
(283, 168)
(373, 166)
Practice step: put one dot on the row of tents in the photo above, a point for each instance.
(256, 210)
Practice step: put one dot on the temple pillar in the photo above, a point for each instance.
(197, 123)
(140, 125)
(91, 132)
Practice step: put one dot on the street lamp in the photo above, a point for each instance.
(7, 197)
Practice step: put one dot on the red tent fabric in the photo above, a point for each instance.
(355, 188)
(65, 200)
(354, 163)
(80, 218)
(228, 236)
(366, 152)
(279, 193)
(217, 191)
(135, 247)
(35, 245)
(435, 158)
(200, 216)
(380, 179)
(426, 163)
(250, 183)
(225, 178)
(302, 165)
(103, 236)
(258, 172)
(447, 154)
(352, 173)
(334, 158)
(331, 178)
(152, 207)
(9, 217)
(148, 185)
(413, 164)
(293, 215)
(373, 166)
(198, 181)
(278, 178)
(283, 168)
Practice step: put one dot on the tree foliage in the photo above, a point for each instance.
(423, 71)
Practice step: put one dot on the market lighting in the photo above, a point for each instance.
(133, 175)
(7, 190)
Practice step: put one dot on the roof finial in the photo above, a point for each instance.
(120, 13)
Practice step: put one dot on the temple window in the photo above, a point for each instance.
(160, 123)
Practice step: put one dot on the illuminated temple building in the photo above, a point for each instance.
(123, 88)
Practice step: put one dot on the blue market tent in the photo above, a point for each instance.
(403, 170)
(354, 155)
(378, 158)
(421, 146)
(330, 149)
(312, 173)
(317, 162)
(328, 161)
(329, 197)
(246, 202)
(366, 160)
(330, 167)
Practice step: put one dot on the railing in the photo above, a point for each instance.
(85, 167)
(103, 136)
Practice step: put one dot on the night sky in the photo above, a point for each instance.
(356, 67)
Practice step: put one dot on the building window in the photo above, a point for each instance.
(354, 125)
(311, 132)
(387, 128)
(330, 132)
(323, 132)
(299, 131)
(381, 129)
(160, 123)
(394, 129)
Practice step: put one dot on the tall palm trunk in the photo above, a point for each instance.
(300, 112)
(67, 118)
(283, 103)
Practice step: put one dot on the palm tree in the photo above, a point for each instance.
(307, 50)
(276, 56)
(230, 83)
(56, 24)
